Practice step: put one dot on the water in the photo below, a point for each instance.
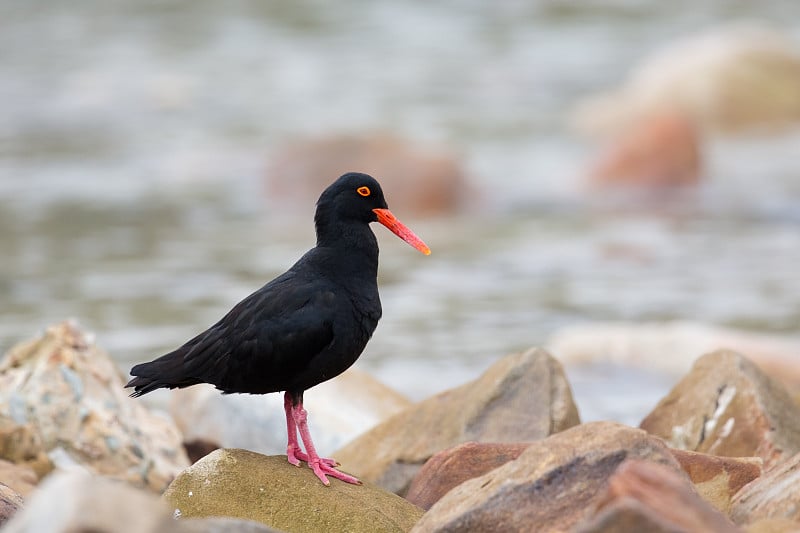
(134, 136)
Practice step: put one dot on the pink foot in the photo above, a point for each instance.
(320, 469)
(294, 454)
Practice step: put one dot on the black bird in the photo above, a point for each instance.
(306, 326)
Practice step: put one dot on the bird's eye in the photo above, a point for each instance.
(363, 191)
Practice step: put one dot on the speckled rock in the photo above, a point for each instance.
(775, 495)
(522, 397)
(267, 489)
(646, 496)
(63, 399)
(339, 410)
(718, 479)
(554, 484)
(727, 406)
(11, 501)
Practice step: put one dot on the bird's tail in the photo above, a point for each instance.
(165, 372)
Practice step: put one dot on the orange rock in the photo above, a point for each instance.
(455, 465)
(420, 181)
(659, 150)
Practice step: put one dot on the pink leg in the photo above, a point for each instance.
(293, 451)
(320, 466)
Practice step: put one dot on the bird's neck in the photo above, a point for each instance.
(355, 241)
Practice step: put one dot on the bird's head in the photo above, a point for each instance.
(359, 197)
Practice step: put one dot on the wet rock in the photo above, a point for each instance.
(726, 79)
(718, 479)
(419, 180)
(339, 410)
(453, 466)
(11, 501)
(645, 496)
(522, 397)
(727, 406)
(61, 397)
(553, 485)
(22, 478)
(776, 494)
(71, 501)
(248, 485)
(659, 150)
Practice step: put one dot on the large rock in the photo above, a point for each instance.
(68, 502)
(774, 495)
(454, 466)
(61, 397)
(728, 79)
(718, 479)
(552, 486)
(522, 397)
(645, 496)
(727, 406)
(419, 179)
(243, 484)
(339, 410)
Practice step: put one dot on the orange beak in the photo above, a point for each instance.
(386, 218)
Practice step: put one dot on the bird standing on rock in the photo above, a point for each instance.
(306, 326)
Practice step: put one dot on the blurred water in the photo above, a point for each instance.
(133, 138)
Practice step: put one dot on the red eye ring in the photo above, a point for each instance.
(363, 191)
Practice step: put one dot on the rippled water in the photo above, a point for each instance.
(134, 136)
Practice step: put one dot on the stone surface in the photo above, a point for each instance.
(453, 466)
(726, 79)
(775, 495)
(718, 479)
(63, 399)
(68, 502)
(646, 496)
(243, 484)
(773, 525)
(338, 411)
(522, 397)
(11, 501)
(553, 485)
(727, 406)
(420, 180)
(21, 478)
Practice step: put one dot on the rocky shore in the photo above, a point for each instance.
(505, 452)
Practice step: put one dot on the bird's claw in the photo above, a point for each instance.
(321, 469)
(295, 455)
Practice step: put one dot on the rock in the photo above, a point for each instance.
(61, 397)
(773, 525)
(718, 479)
(727, 79)
(248, 485)
(645, 496)
(419, 180)
(776, 494)
(339, 410)
(727, 406)
(522, 397)
(225, 525)
(22, 478)
(11, 501)
(553, 485)
(659, 150)
(453, 466)
(72, 501)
